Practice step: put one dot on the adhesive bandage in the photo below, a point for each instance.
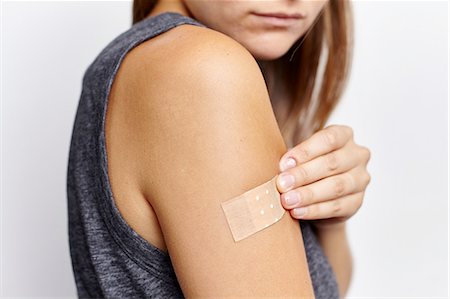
(253, 210)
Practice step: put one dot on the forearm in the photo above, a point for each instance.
(337, 249)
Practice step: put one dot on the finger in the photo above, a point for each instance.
(335, 162)
(342, 207)
(320, 143)
(330, 188)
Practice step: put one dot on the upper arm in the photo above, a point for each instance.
(211, 135)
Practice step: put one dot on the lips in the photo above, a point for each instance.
(277, 20)
(281, 15)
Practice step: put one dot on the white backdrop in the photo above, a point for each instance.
(396, 102)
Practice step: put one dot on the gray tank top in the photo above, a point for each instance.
(109, 258)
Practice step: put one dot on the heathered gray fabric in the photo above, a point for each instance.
(109, 258)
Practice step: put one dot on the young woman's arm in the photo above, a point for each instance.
(209, 134)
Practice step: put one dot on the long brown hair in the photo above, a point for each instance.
(311, 76)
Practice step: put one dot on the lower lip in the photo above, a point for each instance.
(276, 21)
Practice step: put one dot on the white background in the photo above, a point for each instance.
(396, 102)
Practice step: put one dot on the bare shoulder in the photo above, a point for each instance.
(189, 54)
(191, 41)
(194, 82)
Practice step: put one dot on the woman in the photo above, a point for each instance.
(175, 117)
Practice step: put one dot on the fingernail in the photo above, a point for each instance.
(299, 211)
(291, 198)
(286, 181)
(287, 163)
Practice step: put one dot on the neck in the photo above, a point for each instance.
(163, 6)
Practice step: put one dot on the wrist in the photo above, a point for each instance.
(327, 228)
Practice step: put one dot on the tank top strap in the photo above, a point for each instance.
(137, 248)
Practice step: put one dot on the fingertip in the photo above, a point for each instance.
(287, 163)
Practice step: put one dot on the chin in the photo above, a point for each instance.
(267, 48)
(267, 53)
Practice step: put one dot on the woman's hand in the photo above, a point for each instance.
(327, 177)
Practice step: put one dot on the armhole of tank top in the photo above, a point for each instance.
(137, 248)
(317, 260)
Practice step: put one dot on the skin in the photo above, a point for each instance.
(191, 143)
(330, 172)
